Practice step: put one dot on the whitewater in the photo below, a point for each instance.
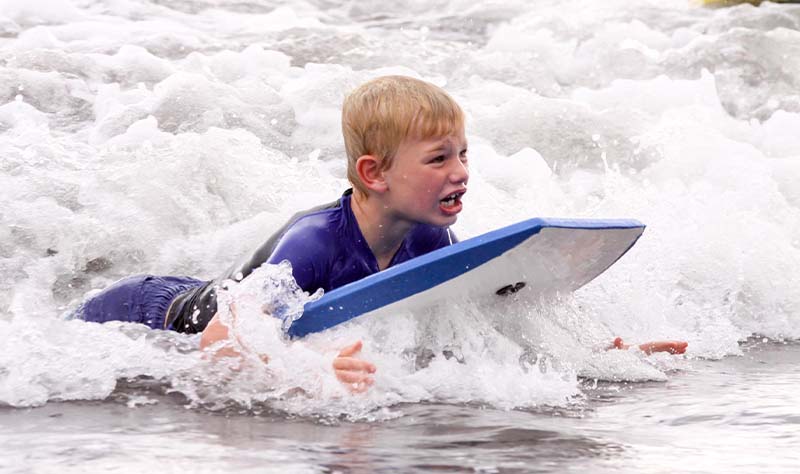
(173, 137)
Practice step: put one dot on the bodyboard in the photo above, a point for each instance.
(544, 255)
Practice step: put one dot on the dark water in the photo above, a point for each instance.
(733, 415)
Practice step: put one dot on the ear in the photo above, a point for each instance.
(369, 170)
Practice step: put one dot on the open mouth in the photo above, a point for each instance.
(452, 201)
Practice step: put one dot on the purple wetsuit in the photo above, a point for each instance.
(323, 244)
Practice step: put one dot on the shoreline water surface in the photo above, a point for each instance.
(728, 415)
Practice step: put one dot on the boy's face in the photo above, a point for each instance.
(427, 179)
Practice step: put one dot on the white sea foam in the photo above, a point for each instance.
(173, 139)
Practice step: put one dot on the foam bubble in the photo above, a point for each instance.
(173, 140)
(777, 139)
(35, 12)
(17, 113)
(54, 370)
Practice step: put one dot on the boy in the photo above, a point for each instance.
(407, 162)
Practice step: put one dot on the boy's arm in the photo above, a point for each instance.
(306, 251)
(355, 373)
(673, 347)
(215, 332)
(310, 252)
(196, 308)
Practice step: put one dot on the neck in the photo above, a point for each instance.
(383, 233)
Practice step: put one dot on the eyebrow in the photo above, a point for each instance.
(439, 147)
(444, 145)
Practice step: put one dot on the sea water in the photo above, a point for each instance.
(173, 137)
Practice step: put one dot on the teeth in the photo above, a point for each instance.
(450, 200)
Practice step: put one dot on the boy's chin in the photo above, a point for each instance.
(443, 220)
(435, 219)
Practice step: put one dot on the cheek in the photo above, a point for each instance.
(431, 183)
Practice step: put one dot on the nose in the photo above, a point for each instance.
(459, 173)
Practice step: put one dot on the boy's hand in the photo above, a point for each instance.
(673, 347)
(351, 371)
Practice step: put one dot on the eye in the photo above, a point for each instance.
(463, 155)
(438, 159)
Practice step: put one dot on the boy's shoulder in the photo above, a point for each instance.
(324, 224)
(323, 219)
(300, 233)
(317, 224)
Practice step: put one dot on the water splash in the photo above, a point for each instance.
(679, 116)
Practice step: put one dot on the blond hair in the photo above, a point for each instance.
(381, 113)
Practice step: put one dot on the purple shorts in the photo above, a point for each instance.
(138, 299)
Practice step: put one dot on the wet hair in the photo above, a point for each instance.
(381, 113)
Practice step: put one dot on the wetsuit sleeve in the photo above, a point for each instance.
(191, 311)
(308, 250)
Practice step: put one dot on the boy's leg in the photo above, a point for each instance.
(115, 303)
(140, 299)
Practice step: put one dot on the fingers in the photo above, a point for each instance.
(353, 372)
(351, 350)
(672, 347)
(679, 347)
(350, 363)
(356, 382)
